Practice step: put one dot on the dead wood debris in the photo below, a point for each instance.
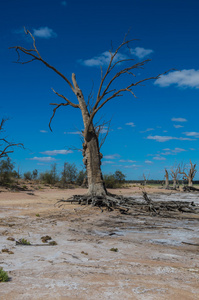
(124, 204)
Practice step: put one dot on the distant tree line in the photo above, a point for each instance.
(70, 175)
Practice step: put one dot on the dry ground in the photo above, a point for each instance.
(153, 260)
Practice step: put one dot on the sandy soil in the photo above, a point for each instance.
(153, 260)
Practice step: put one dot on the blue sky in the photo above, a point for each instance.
(148, 133)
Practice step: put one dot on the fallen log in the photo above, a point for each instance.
(126, 204)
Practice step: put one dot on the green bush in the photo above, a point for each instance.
(27, 175)
(115, 180)
(81, 176)
(69, 173)
(3, 275)
(6, 171)
(50, 177)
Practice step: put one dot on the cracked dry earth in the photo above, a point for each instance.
(154, 259)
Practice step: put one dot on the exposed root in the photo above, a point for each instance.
(124, 204)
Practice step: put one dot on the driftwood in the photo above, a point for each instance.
(124, 204)
(190, 189)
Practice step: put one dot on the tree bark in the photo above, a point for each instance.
(91, 153)
(166, 179)
(92, 160)
(174, 183)
(190, 182)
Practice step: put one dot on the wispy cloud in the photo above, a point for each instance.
(179, 120)
(43, 131)
(162, 139)
(141, 52)
(159, 158)
(44, 159)
(184, 79)
(148, 129)
(107, 162)
(130, 124)
(173, 152)
(127, 160)
(192, 133)
(55, 152)
(132, 166)
(44, 32)
(113, 156)
(102, 60)
(178, 126)
(149, 162)
(73, 132)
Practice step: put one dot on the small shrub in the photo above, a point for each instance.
(53, 243)
(7, 251)
(24, 242)
(114, 249)
(3, 275)
(37, 215)
(27, 175)
(46, 238)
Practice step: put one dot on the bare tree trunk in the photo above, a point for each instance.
(92, 160)
(174, 183)
(166, 179)
(91, 153)
(190, 182)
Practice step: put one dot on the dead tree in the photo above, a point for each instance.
(145, 178)
(188, 173)
(166, 179)
(174, 172)
(5, 145)
(109, 89)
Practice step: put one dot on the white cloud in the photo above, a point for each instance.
(107, 162)
(72, 132)
(178, 150)
(162, 139)
(102, 60)
(173, 152)
(127, 160)
(148, 129)
(184, 78)
(149, 162)
(44, 32)
(130, 124)
(178, 126)
(179, 120)
(113, 156)
(141, 52)
(131, 166)
(45, 159)
(159, 158)
(64, 3)
(119, 128)
(43, 131)
(193, 133)
(55, 152)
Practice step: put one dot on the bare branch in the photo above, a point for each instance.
(68, 101)
(7, 148)
(110, 67)
(54, 111)
(38, 57)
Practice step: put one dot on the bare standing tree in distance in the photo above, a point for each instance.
(107, 91)
(188, 173)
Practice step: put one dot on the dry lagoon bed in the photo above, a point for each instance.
(155, 257)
